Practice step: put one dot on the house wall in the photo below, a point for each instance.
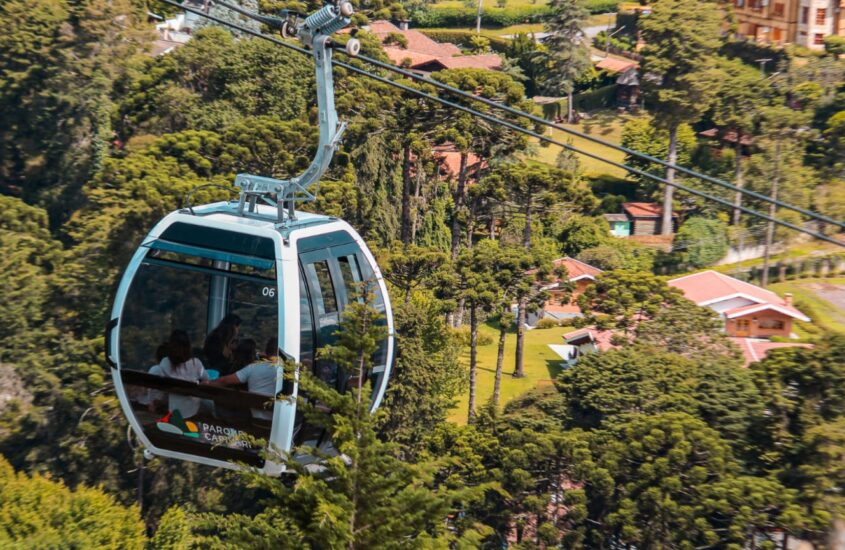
(646, 226)
(788, 21)
(763, 324)
(571, 306)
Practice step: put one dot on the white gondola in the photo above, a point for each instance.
(285, 275)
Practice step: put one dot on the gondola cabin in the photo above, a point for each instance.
(286, 286)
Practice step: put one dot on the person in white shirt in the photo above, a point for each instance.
(180, 363)
(260, 377)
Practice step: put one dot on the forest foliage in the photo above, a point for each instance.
(665, 442)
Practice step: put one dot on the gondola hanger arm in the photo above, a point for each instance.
(314, 32)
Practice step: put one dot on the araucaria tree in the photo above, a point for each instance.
(567, 55)
(678, 71)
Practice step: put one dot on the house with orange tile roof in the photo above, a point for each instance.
(559, 306)
(423, 54)
(639, 219)
(748, 310)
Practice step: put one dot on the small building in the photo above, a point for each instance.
(748, 310)
(416, 51)
(620, 225)
(558, 306)
(584, 342)
(643, 218)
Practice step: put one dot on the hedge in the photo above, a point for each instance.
(463, 17)
(434, 16)
(463, 38)
(596, 99)
(750, 52)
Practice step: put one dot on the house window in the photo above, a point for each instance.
(818, 38)
(739, 3)
(778, 10)
(821, 15)
(772, 324)
(805, 15)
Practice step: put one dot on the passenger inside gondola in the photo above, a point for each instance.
(219, 347)
(260, 376)
(180, 363)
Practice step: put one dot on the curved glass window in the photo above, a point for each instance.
(198, 340)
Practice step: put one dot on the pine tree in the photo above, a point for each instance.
(364, 496)
(679, 61)
(567, 55)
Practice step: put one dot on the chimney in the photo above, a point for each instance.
(787, 298)
(403, 24)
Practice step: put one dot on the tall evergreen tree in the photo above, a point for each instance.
(678, 72)
(364, 496)
(567, 55)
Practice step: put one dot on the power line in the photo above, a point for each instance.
(517, 128)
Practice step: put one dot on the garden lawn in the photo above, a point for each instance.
(542, 366)
(606, 124)
(822, 300)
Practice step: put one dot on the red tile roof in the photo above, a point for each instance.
(450, 160)
(613, 65)
(754, 349)
(422, 50)
(417, 41)
(577, 269)
(643, 209)
(709, 287)
(489, 61)
(729, 136)
(399, 56)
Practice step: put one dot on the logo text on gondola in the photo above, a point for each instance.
(223, 435)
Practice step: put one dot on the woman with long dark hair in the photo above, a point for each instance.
(180, 363)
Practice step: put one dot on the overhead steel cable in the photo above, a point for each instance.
(604, 142)
(542, 121)
(495, 120)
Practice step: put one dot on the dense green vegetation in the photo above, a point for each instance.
(663, 442)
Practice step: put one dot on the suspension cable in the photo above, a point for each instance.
(604, 142)
(270, 21)
(495, 120)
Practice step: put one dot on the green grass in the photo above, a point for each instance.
(825, 315)
(541, 366)
(605, 124)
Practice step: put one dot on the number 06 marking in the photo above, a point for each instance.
(268, 291)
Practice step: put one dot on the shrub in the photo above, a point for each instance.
(619, 254)
(397, 39)
(463, 336)
(547, 322)
(464, 38)
(750, 52)
(595, 99)
(428, 17)
(701, 242)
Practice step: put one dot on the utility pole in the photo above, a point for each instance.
(770, 226)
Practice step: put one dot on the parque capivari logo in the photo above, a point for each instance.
(173, 423)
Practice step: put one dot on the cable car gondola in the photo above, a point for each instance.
(256, 267)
